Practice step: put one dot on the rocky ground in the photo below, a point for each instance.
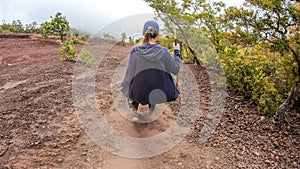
(39, 127)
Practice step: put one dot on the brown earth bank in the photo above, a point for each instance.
(39, 127)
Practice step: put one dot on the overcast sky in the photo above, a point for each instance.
(86, 15)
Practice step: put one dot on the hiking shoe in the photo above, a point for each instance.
(135, 118)
(139, 118)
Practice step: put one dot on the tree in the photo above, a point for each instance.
(263, 26)
(131, 42)
(5, 27)
(276, 22)
(57, 26)
(17, 27)
(32, 28)
(123, 38)
(194, 18)
(108, 36)
(199, 13)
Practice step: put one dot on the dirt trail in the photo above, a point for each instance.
(127, 128)
(122, 125)
(39, 127)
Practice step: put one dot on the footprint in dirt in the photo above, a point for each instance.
(161, 119)
(139, 130)
(119, 114)
(157, 125)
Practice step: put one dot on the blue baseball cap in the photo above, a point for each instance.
(151, 24)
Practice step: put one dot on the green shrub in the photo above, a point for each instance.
(86, 57)
(260, 75)
(269, 100)
(67, 50)
(58, 25)
(77, 39)
(86, 37)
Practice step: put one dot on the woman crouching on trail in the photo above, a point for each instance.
(148, 77)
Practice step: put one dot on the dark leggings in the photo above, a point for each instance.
(135, 106)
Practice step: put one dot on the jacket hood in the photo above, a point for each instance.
(151, 52)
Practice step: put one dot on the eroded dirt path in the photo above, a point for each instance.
(39, 127)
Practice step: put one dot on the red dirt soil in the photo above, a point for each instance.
(39, 127)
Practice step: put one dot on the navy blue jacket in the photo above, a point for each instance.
(148, 77)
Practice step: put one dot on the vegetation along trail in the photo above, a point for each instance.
(257, 46)
(39, 127)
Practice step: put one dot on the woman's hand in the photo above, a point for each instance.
(176, 47)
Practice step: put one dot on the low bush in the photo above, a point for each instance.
(87, 58)
(67, 50)
(260, 75)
